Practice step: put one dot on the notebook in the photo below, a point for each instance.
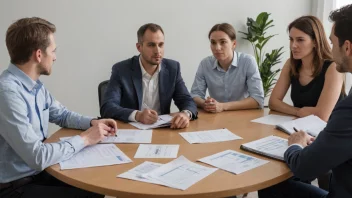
(312, 124)
(271, 146)
(163, 121)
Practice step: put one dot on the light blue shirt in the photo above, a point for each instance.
(26, 107)
(240, 81)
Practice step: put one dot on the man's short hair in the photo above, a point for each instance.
(149, 26)
(27, 35)
(343, 23)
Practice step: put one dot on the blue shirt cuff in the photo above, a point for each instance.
(85, 122)
(259, 100)
(76, 142)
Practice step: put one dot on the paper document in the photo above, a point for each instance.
(157, 151)
(130, 136)
(271, 146)
(233, 161)
(163, 121)
(218, 135)
(127, 136)
(96, 155)
(180, 173)
(137, 172)
(273, 119)
(312, 124)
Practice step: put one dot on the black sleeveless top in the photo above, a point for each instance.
(308, 95)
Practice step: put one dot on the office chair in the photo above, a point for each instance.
(101, 90)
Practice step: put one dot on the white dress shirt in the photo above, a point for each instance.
(150, 85)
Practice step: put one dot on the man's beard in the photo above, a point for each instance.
(153, 62)
(43, 71)
(343, 66)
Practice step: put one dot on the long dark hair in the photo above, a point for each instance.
(312, 26)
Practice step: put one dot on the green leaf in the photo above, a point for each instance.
(255, 24)
(262, 17)
(268, 23)
(268, 27)
(256, 36)
(258, 46)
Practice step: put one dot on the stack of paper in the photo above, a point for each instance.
(233, 161)
(163, 121)
(312, 124)
(218, 135)
(273, 119)
(179, 173)
(157, 151)
(96, 155)
(127, 136)
(137, 172)
(271, 146)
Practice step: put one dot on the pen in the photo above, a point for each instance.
(295, 129)
(113, 130)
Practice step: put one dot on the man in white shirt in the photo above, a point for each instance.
(142, 87)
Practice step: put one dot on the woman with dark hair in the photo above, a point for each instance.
(316, 86)
(232, 78)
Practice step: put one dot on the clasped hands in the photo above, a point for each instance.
(213, 106)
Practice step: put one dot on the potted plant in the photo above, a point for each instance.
(256, 36)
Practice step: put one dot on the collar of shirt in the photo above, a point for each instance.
(144, 73)
(24, 78)
(233, 64)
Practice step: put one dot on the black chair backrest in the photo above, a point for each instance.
(101, 90)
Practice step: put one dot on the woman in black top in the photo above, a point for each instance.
(308, 95)
(316, 86)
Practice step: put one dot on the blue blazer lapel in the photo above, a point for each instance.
(163, 85)
(137, 80)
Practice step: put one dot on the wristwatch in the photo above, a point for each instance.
(188, 113)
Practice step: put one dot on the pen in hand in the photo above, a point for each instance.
(115, 133)
(295, 129)
(112, 132)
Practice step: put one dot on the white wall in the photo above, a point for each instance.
(322, 9)
(92, 35)
(340, 3)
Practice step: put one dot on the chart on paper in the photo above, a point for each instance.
(157, 151)
(233, 161)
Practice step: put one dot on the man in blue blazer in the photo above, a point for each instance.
(332, 149)
(142, 87)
